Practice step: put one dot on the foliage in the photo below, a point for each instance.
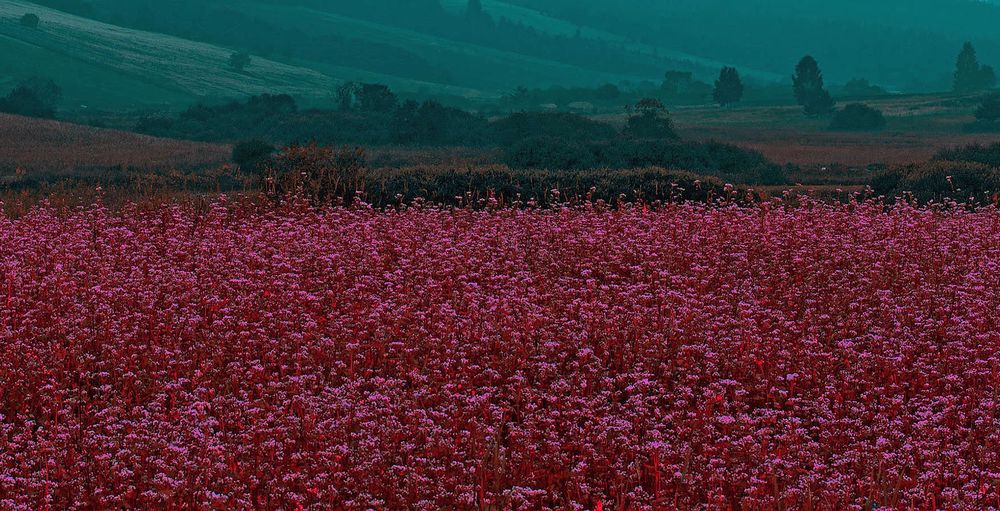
(734, 164)
(958, 180)
(681, 86)
(432, 124)
(652, 122)
(728, 162)
(323, 175)
(978, 153)
(252, 154)
(374, 97)
(970, 76)
(989, 110)
(227, 122)
(529, 125)
(987, 116)
(728, 88)
(550, 153)
(858, 117)
(30, 20)
(34, 97)
(239, 356)
(810, 92)
(862, 88)
(239, 61)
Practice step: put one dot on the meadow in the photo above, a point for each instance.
(247, 355)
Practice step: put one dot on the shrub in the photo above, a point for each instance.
(374, 97)
(987, 155)
(938, 179)
(987, 115)
(550, 153)
(858, 117)
(726, 161)
(507, 186)
(324, 175)
(651, 122)
(529, 125)
(30, 20)
(251, 154)
(24, 101)
(989, 110)
(239, 61)
(650, 125)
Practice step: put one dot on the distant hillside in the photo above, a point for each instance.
(906, 44)
(154, 54)
(105, 66)
(306, 47)
(51, 146)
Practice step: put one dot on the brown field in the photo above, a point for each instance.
(52, 146)
(918, 126)
(830, 148)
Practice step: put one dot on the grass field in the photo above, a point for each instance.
(105, 66)
(51, 146)
(486, 69)
(547, 24)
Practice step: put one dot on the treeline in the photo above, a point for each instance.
(371, 115)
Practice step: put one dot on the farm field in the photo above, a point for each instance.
(918, 127)
(58, 147)
(825, 356)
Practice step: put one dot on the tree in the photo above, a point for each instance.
(23, 101)
(250, 154)
(809, 89)
(375, 97)
(239, 61)
(990, 109)
(34, 97)
(858, 117)
(30, 20)
(969, 75)
(861, 87)
(728, 88)
(651, 122)
(345, 95)
(47, 91)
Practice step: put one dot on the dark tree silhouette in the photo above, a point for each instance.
(989, 110)
(239, 61)
(858, 117)
(809, 89)
(969, 75)
(728, 88)
(651, 122)
(251, 154)
(30, 20)
(346, 94)
(375, 97)
(34, 97)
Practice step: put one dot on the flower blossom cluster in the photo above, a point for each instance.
(823, 357)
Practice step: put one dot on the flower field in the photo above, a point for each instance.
(821, 357)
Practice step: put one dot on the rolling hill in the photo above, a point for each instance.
(143, 54)
(105, 66)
